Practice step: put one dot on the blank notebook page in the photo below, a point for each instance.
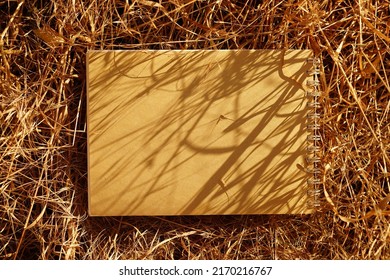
(197, 132)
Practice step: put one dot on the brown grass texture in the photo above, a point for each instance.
(43, 177)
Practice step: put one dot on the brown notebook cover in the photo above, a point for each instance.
(197, 132)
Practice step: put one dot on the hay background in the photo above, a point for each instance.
(43, 190)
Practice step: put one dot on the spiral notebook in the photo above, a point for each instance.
(202, 132)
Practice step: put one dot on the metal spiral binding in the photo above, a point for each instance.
(313, 138)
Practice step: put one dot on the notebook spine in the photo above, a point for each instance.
(313, 138)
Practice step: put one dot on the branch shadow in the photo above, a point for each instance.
(196, 132)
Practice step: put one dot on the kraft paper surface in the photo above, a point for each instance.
(196, 132)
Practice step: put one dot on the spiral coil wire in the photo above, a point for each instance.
(313, 138)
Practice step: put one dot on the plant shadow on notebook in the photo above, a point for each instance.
(196, 132)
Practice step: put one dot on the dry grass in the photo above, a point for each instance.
(43, 141)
